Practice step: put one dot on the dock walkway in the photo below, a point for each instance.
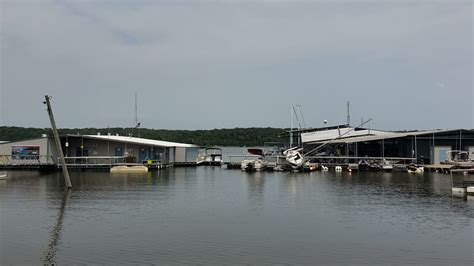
(26, 162)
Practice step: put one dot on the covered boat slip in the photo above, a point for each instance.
(89, 151)
(425, 147)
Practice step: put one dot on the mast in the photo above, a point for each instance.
(291, 126)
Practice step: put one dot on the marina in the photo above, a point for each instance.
(340, 147)
(331, 147)
(236, 133)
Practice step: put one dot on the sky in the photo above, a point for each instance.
(225, 64)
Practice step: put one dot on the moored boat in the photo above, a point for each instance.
(210, 156)
(259, 165)
(387, 166)
(129, 169)
(459, 159)
(414, 169)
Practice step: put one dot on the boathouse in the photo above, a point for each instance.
(425, 146)
(31, 153)
(87, 151)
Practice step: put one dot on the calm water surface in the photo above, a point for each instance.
(208, 215)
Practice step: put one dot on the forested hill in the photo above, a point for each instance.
(221, 137)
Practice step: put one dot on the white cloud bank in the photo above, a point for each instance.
(206, 65)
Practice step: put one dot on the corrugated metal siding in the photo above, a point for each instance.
(191, 154)
(180, 155)
(171, 155)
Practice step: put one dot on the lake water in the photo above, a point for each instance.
(208, 215)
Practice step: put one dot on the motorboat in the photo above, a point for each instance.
(459, 159)
(125, 169)
(253, 165)
(246, 165)
(375, 166)
(414, 169)
(210, 156)
(256, 151)
(387, 166)
(259, 165)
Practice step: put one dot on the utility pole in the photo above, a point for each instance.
(67, 179)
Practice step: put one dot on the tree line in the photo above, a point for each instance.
(213, 137)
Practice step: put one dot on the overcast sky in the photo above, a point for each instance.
(405, 64)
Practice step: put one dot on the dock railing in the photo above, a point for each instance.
(233, 159)
(353, 159)
(94, 161)
(280, 159)
(25, 160)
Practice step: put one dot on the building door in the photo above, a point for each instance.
(118, 151)
(143, 155)
(440, 153)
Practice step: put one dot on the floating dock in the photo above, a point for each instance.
(462, 182)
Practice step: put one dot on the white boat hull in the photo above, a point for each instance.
(129, 169)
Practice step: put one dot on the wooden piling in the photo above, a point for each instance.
(59, 148)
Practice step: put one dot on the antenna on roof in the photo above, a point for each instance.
(135, 118)
(348, 113)
(136, 122)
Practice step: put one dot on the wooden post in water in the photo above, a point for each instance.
(67, 179)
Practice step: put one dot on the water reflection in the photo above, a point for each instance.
(208, 215)
(255, 187)
(49, 256)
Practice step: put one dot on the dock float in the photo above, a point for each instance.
(464, 186)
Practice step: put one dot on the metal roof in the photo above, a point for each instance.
(316, 129)
(380, 135)
(368, 138)
(141, 141)
(340, 133)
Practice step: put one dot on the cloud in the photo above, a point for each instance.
(249, 60)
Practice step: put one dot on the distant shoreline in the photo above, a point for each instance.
(237, 137)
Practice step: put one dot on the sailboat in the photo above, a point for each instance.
(296, 158)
